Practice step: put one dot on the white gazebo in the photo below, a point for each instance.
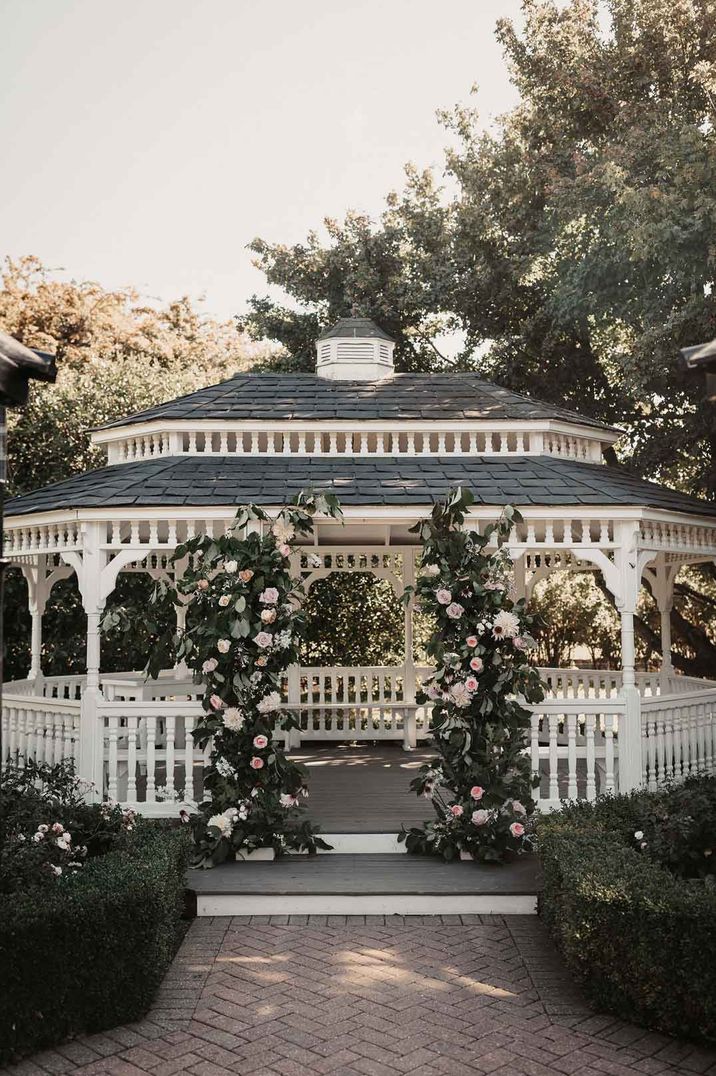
(388, 445)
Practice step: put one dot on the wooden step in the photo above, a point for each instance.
(366, 884)
(362, 844)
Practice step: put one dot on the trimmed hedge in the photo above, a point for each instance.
(89, 953)
(641, 940)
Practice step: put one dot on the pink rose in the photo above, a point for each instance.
(216, 703)
(454, 610)
(471, 640)
(260, 742)
(203, 584)
(257, 763)
(471, 683)
(263, 639)
(443, 596)
(224, 600)
(268, 616)
(477, 792)
(209, 665)
(477, 664)
(246, 575)
(456, 810)
(518, 808)
(519, 643)
(269, 596)
(517, 829)
(284, 550)
(480, 818)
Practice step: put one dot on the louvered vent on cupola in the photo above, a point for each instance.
(354, 349)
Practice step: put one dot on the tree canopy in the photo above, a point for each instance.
(575, 250)
(115, 355)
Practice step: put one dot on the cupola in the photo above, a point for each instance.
(354, 349)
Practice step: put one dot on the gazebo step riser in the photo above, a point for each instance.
(365, 904)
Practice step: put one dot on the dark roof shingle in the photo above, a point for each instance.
(232, 480)
(283, 397)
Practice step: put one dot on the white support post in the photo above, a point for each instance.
(520, 577)
(35, 672)
(91, 753)
(180, 669)
(664, 596)
(630, 564)
(37, 594)
(410, 735)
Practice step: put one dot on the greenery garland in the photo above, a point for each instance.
(480, 785)
(243, 631)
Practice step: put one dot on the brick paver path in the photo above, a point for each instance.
(372, 996)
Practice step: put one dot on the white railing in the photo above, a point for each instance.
(355, 703)
(678, 736)
(149, 758)
(149, 755)
(340, 440)
(606, 683)
(46, 730)
(574, 749)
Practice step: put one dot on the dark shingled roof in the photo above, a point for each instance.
(233, 480)
(436, 397)
(361, 327)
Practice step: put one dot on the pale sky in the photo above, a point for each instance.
(146, 142)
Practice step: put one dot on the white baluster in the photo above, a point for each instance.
(572, 756)
(188, 760)
(151, 724)
(589, 726)
(553, 757)
(170, 721)
(112, 736)
(132, 758)
(609, 752)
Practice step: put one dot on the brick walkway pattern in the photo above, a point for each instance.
(286, 996)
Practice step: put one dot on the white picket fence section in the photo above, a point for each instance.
(678, 736)
(40, 729)
(147, 756)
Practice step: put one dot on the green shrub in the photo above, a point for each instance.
(90, 952)
(638, 932)
(47, 830)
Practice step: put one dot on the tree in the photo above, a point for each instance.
(116, 355)
(577, 252)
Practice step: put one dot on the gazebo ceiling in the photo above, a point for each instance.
(303, 397)
(175, 481)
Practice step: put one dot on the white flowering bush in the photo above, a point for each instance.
(47, 830)
(480, 785)
(243, 631)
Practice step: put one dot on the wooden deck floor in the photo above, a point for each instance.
(363, 788)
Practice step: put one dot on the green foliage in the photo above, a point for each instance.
(574, 252)
(47, 830)
(352, 618)
(242, 633)
(625, 910)
(89, 952)
(480, 651)
(572, 611)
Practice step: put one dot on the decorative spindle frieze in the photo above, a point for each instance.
(395, 440)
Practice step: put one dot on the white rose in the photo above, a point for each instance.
(231, 566)
(223, 646)
(224, 600)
